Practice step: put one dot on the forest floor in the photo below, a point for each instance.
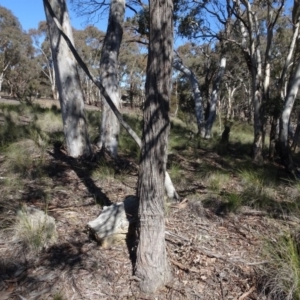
(215, 247)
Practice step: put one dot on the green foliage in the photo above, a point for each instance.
(142, 21)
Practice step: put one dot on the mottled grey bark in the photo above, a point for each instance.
(67, 80)
(171, 192)
(152, 266)
(109, 68)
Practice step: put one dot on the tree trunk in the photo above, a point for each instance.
(282, 83)
(110, 127)
(296, 135)
(1, 81)
(171, 192)
(258, 133)
(214, 98)
(178, 65)
(273, 137)
(152, 266)
(2, 76)
(285, 152)
(67, 80)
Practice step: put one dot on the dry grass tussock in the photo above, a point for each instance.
(34, 229)
(233, 236)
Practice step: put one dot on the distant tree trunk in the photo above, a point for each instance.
(2, 76)
(152, 266)
(231, 91)
(285, 152)
(282, 83)
(296, 135)
(214, 99)
(179, 66)
(1, 81)
(274, 134)
(110, 126)
(67, 80)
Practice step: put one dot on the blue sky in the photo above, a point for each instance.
(31, 12)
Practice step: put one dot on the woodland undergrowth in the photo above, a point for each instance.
(219, 182)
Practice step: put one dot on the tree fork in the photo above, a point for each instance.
(171, 192)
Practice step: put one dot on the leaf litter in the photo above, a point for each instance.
(212, 256)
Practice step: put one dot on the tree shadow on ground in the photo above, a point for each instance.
(82, 168)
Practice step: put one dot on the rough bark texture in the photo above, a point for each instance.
(152, 266)
(67, 79)
(171, 192)
(110, 126)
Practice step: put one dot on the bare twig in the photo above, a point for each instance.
(245, 295)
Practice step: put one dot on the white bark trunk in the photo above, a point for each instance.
(2, 76)
(214, 99)
(110, 127)
(283, 81)
(178, 65)
(288, 106)
(67, 80)
(231, 91)
(1, 81)
(168, 184)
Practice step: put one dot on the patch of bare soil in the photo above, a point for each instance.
(212, 257)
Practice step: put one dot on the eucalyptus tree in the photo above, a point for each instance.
(133, 63)
(13, 40)
(23, 79)
(110, 127)
(195, 25)
(89, 42)
(169, 187)
(289, 91)
(197, 64)
(257, 56)
(179, 66)
(67, 80)
(44, 55)
(152, 266)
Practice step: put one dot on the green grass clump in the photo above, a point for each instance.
(233, 202)
(25, 158)
(216, 181)
(282, 273)
(103, 171)
(175, 173)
